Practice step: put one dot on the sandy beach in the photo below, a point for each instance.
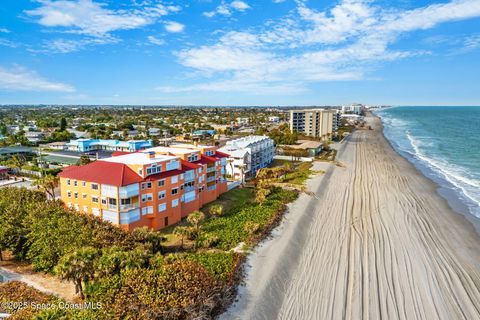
(374, 240)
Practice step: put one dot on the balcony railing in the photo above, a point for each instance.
(189, 188)
(211, 169)
(128, 207)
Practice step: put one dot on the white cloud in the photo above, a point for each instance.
(239, 5)
(4, 30)
(94, 19)
(174, 27)
(343, 43)
(155, 40)
(8, 43)
(226, 9)
(21, 79)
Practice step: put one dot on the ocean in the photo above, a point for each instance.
(444, 144)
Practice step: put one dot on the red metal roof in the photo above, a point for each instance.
(220, 155)
(205, 160)
(103, 172)
(189, 165)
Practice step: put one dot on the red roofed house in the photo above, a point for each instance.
(155, 187)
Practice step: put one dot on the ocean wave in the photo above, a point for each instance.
(449, 173)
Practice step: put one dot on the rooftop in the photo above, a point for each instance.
(140, 158)
(169, 150)
(243, 142)
(103, 172)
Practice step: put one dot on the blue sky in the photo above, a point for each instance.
(214, 52)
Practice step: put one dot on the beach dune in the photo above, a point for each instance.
(375, 241)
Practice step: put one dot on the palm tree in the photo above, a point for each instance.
(47, 184)
(230, 162)
(195, 218)
(216, 210)
(78, 267)
(251, 227)
(182, 232)
(242, 168)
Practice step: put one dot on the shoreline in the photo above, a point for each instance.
(280, 269)
(443, 187)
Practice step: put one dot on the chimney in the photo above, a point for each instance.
(151, 154)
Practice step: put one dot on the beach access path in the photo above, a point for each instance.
(373, 240)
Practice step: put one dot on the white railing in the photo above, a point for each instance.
(109, 191)
(130, 216)
(129, 191)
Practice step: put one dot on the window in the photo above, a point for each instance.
(147, 210)
(84, 196)
(146, 185)
(174, 203)
(165, 221)
(84, 183)
(147, 197)
(75, 195)
(140, 172)
(94, 186)
(112, 201)
(125, 201)
(192, 157)
(75, 183)
(162, 194)
(95, 199)
(104, 201)
(174, 190)
(69, 194)
(68, 182)
(182, 176)
(174, 179)
(162, 207)
(161, 183)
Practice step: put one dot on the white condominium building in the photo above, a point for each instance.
(317, 123)
(248, 155)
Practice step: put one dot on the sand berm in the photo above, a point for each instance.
(374, 240)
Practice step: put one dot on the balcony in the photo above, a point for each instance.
(210, 179)
(211, 169)
(128, 207)
(189, 188)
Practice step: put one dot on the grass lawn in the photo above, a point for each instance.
(231, 201)
(239, 209)
(299, 174)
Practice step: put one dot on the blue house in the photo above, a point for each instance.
(86, 145)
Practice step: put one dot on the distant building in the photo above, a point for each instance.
(86, 145)
(155, 188)
(205, 132)
(353, 109)
(248, 154)
(274, 119)
(243, 120)
(311, 148)
(154, 132)
(317, 123)
(34, 136)
(337, 120)
(78, 134)
(60, 145)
